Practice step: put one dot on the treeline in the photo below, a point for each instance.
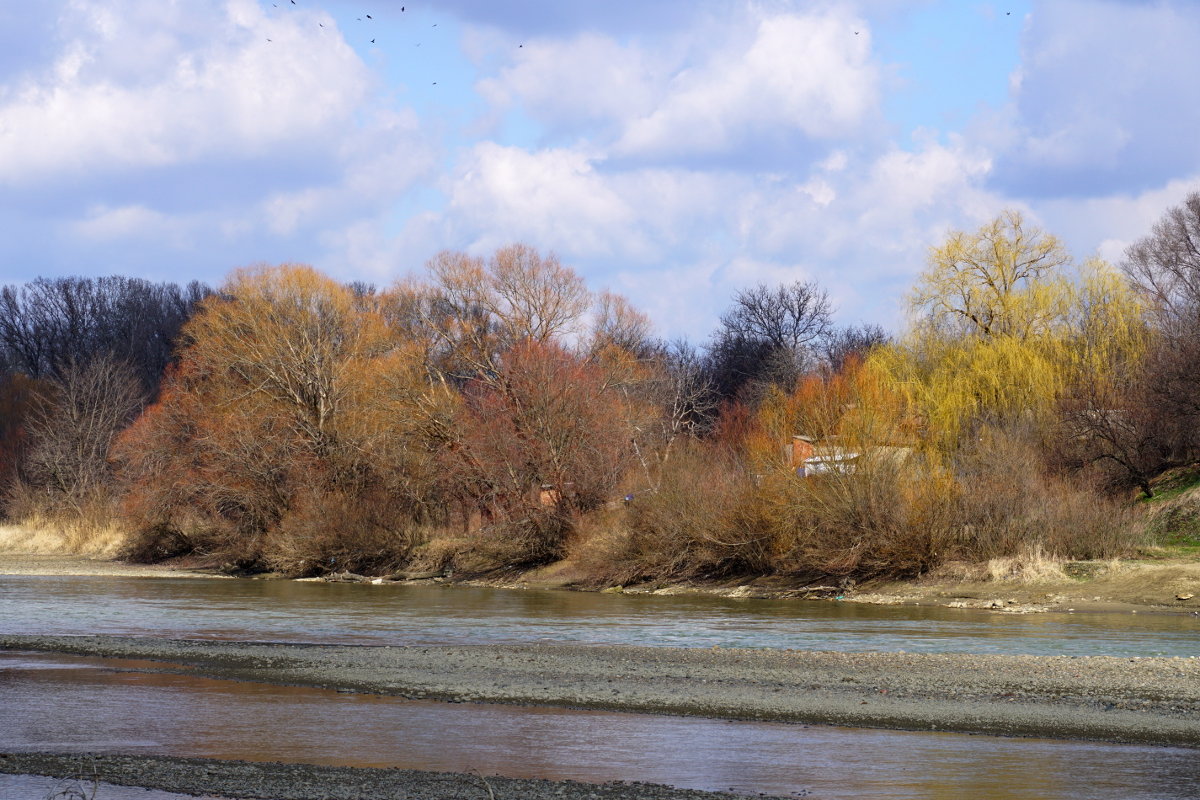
(497, 414)
(79, 358)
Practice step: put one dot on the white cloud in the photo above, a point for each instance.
(553, 197)
(708, 88)
(376, 164)
(584, 79)
(799, 75)
(136, 221)
(158, 84)
(719, 145)
(1107, 225)
(1104, 98)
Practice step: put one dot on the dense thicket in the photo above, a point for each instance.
(495, 413)
(78, 358)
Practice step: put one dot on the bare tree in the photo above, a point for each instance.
(844, 344)
(791, 316)
(71, 434)
(478, 308)
(50, 324)
(1165, 266)
(768, 336)
(1116, 428)
(682, 405)
(618, 324)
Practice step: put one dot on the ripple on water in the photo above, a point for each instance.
(351, 613)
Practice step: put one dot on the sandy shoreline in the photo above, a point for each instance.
(55, 564)
(1127, 588)
(1142, 700)
(241, 779)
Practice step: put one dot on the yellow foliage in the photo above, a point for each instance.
(1002, 333)
(1002, 280)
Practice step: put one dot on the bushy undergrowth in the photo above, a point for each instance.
(709, 517)
(539, 537)
(883, 519)
(487, 419)
(1010, 505)
(698, 522)
(877, 521)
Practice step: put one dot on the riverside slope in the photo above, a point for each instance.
(1143, 700)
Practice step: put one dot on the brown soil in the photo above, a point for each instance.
(1009, 586)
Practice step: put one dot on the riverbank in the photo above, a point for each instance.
(241, 779)
(1143, 700)
(41, 564)
(1164, 586)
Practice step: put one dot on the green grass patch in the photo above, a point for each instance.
(1173, 483)
(1160, 553)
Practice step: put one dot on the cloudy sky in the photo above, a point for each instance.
(673, 151)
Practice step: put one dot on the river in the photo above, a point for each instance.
(437, 614)
(71, 704)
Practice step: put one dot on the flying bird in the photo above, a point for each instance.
(372, 41)
(370, 17)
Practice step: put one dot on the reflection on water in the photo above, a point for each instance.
(63, 703)
(318, 612)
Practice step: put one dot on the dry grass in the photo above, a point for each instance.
(40, 536)
(1033, 565)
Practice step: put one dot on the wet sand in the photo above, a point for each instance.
(1141, 700)
(57, 564)
(240, 779)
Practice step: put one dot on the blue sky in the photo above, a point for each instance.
(670, 151)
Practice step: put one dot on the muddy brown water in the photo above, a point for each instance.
(395, 614)
(75, 704)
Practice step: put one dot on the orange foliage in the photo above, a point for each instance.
(291, 388)
(545, 418)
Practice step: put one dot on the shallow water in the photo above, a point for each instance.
(50, 702)
(356, 613)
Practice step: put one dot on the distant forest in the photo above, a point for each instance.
(497, 415)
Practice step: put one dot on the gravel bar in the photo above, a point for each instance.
(1102, 698)
(275, 781)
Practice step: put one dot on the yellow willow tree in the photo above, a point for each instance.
(1004, 326)
(1004, 280)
